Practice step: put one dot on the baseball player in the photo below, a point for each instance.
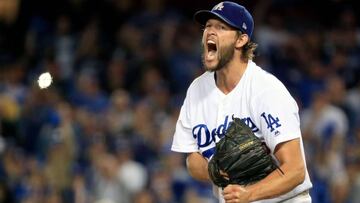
(233, 85)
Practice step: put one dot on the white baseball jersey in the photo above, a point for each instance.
(259, 98)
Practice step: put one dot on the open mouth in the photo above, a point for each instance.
(211, 49)
(211, 45)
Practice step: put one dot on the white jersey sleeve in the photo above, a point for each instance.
(183, 140)
(277, 116)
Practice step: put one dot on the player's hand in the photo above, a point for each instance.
(236, 194)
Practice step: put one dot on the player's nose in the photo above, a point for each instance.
(210, 32)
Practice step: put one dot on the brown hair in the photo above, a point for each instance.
(247, 51)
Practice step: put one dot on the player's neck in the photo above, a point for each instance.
(228, 77)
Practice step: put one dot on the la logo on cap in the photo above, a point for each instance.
(219, 6)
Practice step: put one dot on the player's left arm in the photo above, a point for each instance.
(291, 163)
(281, 130)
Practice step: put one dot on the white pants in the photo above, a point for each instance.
(303, 197)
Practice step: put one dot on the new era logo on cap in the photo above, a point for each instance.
(231, 13)
(244, 26)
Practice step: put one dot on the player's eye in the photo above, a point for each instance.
(223, 27)
(220, 27)
(216, 26)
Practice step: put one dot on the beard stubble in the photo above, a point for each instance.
(226, 55)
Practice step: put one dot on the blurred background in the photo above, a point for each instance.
(102, 131)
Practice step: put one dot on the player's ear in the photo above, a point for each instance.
(242, 39)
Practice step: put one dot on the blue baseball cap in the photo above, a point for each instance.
(231, 13)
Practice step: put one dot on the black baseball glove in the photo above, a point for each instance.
(241, 156)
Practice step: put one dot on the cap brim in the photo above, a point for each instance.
(203, 16)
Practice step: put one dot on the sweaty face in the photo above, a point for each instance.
(218, 45)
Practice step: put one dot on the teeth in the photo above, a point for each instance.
(211, 42)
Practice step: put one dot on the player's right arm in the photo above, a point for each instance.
(197, 166)
(185, 142)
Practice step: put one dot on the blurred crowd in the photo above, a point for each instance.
(101, 133)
